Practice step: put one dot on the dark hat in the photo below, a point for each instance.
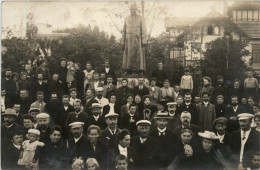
(73, 89)
(205, 93)
(153, 79)
(220, 96)
(220, 120)
(63, 59)
(146, 96)
(129, 94)
(166, 80)
(220, 77)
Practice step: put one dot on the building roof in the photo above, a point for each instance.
(171, 22)
(251, 28)
(245, 5)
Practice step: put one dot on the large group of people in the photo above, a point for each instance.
(89, 119)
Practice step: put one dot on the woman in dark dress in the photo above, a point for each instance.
(62, 71)
(54, 155)
(79, 81)
(210, 157)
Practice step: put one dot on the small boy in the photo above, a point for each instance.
(186, 82)
(250, 84)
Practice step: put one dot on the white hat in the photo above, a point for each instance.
(95, 105)
(35, 131)
(10, 112)
(99, 89)
(111, 114)
(143, 122)
(42, 116)
(77, 124)
(34, 110)
(244, 116)
(208, 135)
(171, 103)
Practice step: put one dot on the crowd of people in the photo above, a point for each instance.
(84, 119)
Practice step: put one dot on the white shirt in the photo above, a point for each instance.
(96, 117)
(221, 137)
(244, 137)
(103, 101)
(112, 132)
(17, 146)
(153, 88)
(142, 140)
(40, 82)
(235, 108)
(107, 70)
(72, 101)
(76, 140)
(66, 107)
(122, 151)
(112, 107)
(161, 131)
(141, 86)
(3, 103)
(206, 104)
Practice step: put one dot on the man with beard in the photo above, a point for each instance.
(9, 126)
(52, 106)
(43, 120)
(244, 142)
(221, 89)
(232, 112)
(76, 115)
(9, 161)
(38, 85)
(148, 149)
(78, 140)
(186, 124)
(55, 86)
(90, 99)
(17, 108)
(167, 138)
(101, 100)
(96, 118)
(9, 85)
(24, 102)
(109, 135)
(206, 113)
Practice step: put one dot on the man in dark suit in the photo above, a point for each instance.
(55, 86)
(148, 149)
(76, 115)
(125, 108)
(109, 135)
(189, 107)
(123, 148)
(96, 118)
(24, 101)
(9, 126)
(122, 92)
(167, 138)
(160, 74)
(219, 127)
(221, 108)
(221, 89)
(43, 125)
(38, 85)
(53, 106)
(9, 161)
(9, 85)
(231, 115)
(89, 100)
(186, 124)
(141, 89)
(244, 142)
(109, 88)
(109, 71)
(78, 141)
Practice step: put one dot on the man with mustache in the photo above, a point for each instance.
(96, 118)
(109, 135)
(174, 120)
(245, 141)
(43, 121)
(219, 127)
(232, 112)
(9, 126)
(52, 106)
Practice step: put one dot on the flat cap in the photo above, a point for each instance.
(220, 120)
(111, 114)
(34, 110)
(143, 122)
(244, 116)
(34, 131)
(76, 124)
(171, 103)
(220, 96)
(10, 112)
(42, 116)
(95, 105)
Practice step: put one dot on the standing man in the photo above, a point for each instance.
(55, 86)
(109, 88)
(160, 74)
(206, 113)
(134, 41)
(90, 99)
(9, 85)
(24, 102)
(167, 138)
(101, 100)
(245, 141)
(43, 121)
(221, 89)
(122, 93)
(109, 71)
(190, 107)
(148, 149)
(39, 103)
(96, 118)
(141, 89)
(109, 135)
(52, 106)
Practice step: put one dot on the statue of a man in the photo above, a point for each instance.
(134, 41)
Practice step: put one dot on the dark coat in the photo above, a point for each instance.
(79, 83)
(194, 128)
(52, 109)
(221, 110)
(9, 161)
(10, 87)
(206, 115)
(147, 153)
(141, 92)
(251, 145)
(160, 75)
(72, 117)
(109, 90)
(24, 84)
(25, 106)
(236, 92)
(77, 149)
(106, 109)
(45, 136)
(121, 95)
(168, 143)
(54, 156)
(174, 122)
(6, 133)
(131, 156)
(88, 105)
(35, 87)
(54, 87)
(101, 122)
(221, 90)
(147, 112)
(109, 139)
(131, 126)
(233, 125)
(193, 111)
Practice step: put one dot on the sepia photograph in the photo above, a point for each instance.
(130, 85)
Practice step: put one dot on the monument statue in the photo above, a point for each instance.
(134, 41)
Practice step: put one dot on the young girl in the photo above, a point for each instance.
(29, 156)
(70, 73)
(186, 82)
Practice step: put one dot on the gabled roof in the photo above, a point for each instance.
(171, 22)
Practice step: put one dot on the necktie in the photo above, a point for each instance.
(244, 135)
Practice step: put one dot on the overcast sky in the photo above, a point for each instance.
(69, 14)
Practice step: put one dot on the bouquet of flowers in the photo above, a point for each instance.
(77, 164)
(188, 150)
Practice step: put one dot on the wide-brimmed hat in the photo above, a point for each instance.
(34, 131)
(111, 114)
(95, 105)
(10, 112)
(208, 135)
(76, 124)
(143, 122)
(162, 115)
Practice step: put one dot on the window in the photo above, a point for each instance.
(210, 30)
(255, 15)
(244, 15)
(234, 15)
(216, 30)
(250, 15)
(238, 15)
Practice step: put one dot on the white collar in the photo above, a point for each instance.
(96, 117)
(205, 103)
(111, 104)
(76, 140)
(188, 103)
(161, 130)
(142, 140)
(112, 132)
(17, 146)
(121, 148)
